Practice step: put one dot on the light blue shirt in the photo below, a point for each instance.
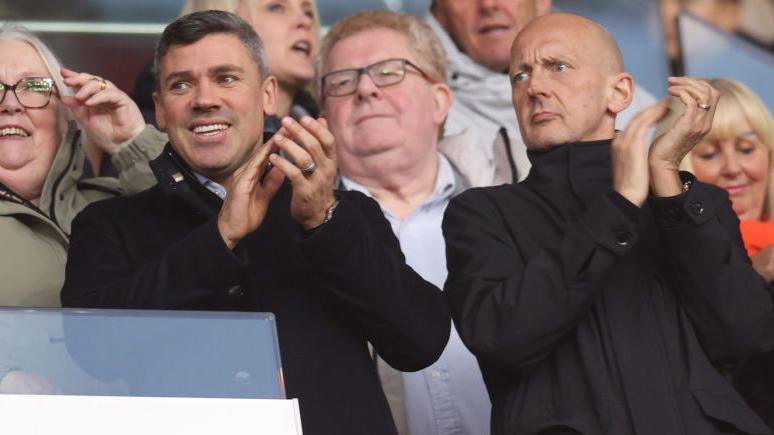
(449, 397)
(212, 186)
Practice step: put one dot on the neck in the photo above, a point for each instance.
(285, 97)
(398, 188)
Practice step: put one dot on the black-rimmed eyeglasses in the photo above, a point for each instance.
(32, 92)
(384, 73)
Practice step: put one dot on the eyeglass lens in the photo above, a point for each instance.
(385, 73)
(32, 93)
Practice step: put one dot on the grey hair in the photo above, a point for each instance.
(16, 32)
(193, 27)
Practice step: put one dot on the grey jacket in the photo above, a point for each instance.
(35, 239)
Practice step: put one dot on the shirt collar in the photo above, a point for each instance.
(212, 186)
(445, 183)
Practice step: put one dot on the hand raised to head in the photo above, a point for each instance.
(107, 115)
(311, 146)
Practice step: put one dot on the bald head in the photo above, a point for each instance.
(568, 81)
(596, 40)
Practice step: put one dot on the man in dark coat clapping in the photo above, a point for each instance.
(602, 294)
(221, 231)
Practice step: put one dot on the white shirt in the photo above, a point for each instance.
(449, 397)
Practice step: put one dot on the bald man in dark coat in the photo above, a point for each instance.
(603, 294)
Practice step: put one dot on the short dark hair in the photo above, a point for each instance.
(191, 28)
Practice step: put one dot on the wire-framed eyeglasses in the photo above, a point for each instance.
(32, 92)
(383, 73)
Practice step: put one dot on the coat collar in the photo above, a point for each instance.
(583, 167)
(576, 162)
(176, 179)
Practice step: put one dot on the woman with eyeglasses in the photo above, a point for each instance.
(49, 119)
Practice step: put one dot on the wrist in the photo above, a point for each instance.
(122, 143)
(665, 182)
(322, 218)
(228, 241)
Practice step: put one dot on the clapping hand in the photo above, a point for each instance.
(312, 147)
(699, 100)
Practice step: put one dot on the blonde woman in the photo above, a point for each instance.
(737, 156)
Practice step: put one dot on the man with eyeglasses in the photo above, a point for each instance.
(382, 89)
(222, 231)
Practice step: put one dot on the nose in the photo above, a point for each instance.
(366, 88)
(731, 165)
(536, 85)
(205, 97)
(488, 5)
(9, 103)
(303, 19)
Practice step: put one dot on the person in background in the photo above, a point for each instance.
(477, 36)
(383, 92)
(290, 30)
(737, 156)
(750, 19)
(603, 293)
(223, 231)
(48, 115)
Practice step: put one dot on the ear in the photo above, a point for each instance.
(622, 92)
(543, 7)
(269, 95)
(442, 102)
(161, 118)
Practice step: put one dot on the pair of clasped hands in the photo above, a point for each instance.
(638, 169)
(311, 146)
(110, 119)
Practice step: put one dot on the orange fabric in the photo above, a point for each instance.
(756, 235)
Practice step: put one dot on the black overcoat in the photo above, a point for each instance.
(331, 291)
(589, 315)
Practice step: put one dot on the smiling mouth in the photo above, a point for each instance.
(736, 190)
(13, 131)
(209, 129)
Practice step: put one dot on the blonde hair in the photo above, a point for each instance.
(205, 5)
(16, 32)
(737, 103)
(423, 42)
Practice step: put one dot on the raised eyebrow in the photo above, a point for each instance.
(554, 60)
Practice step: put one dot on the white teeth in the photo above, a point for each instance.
(209, 128)
(304, 46)
(13, 131)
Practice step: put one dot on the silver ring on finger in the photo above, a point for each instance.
(703, 106)
(308, 170)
